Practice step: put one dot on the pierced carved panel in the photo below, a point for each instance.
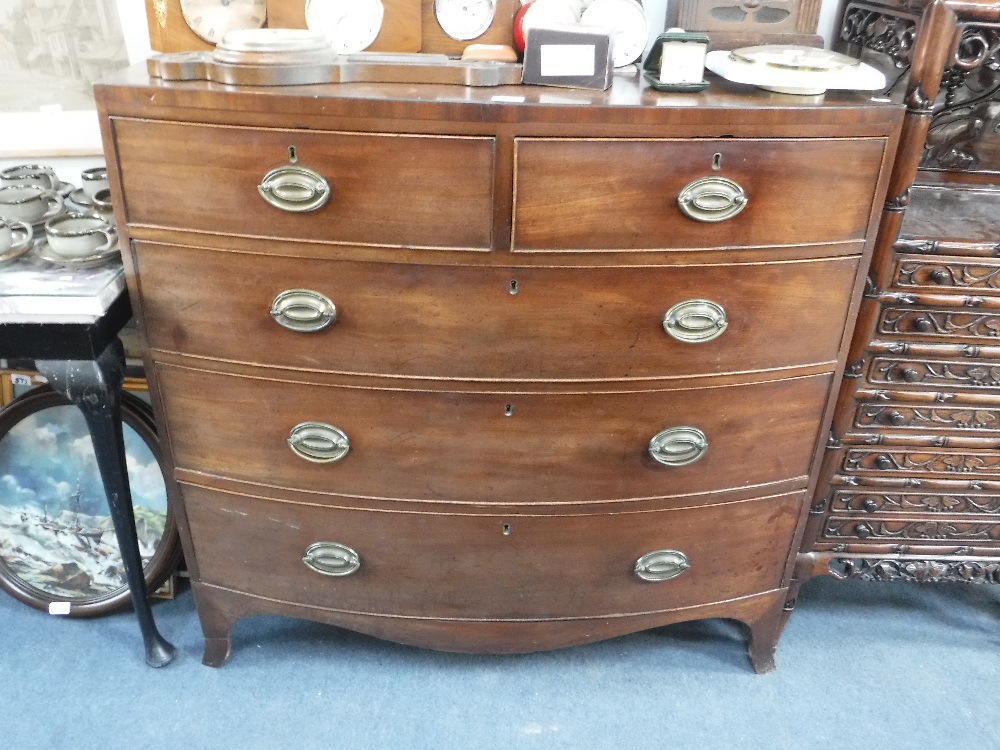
(880, 30)
(965, 130)
(902, 502)
(949, 275)
(922, 530)
(923, 571)
(922, 462)
(928, 418)
(951, 325)
(973, 375)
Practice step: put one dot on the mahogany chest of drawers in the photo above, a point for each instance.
(493, 369)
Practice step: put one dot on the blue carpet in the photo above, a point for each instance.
(879, 666)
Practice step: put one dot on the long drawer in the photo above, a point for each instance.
(383, 189)
(492, 447)
(623, 194)
(488, 566)
(493, 322)
(958, 275)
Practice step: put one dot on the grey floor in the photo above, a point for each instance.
(860, 665)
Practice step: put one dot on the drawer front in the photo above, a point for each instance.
(489, 566)
(497, 323)
(945, 531)
(927, 323)
(623, 194)
(937, 502)
(492, 447)
(982, 376)
(384, 190)
(923, 462)
(979, 420)
(964, 275)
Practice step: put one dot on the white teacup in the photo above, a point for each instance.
(93, 179)
(30, 174)
(29, 203)
(14, 235)
(101, 201)
(80, 235)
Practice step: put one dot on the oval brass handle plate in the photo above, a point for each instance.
(712, 199)
(661, 565)
(295, 189)
(331, 559)
(303, 310)
(695, 321)
(678, 446)
(318, 442)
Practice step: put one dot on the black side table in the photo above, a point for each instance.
(72, 337)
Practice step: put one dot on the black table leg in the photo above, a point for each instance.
(95, 386)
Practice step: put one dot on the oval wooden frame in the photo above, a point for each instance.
(137, 415)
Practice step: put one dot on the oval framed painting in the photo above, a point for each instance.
(57, 541)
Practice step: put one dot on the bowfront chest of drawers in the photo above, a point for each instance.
(493, 370)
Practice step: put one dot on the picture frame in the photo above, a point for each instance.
(69, 53)
(57, 544)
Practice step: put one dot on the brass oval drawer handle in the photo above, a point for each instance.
(678, 446)
(319, 442)
(303, 310)
(331, 559)
(295, 189)
(695, 321)
(661, 565)
(712, 199)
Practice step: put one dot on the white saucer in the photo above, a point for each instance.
(43, 251)
(80, 199)
(18, 249)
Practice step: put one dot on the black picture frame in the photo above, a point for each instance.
(57, 545)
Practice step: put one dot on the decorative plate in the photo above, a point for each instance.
(57, 542)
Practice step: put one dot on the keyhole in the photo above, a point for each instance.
(293, 155)
(506, 529)
(513, 286)
(717, 161)
(508, 410)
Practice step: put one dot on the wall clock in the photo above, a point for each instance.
(211, 19)
(628, 20)
(465, 19)
(449, 26)
(349, 25)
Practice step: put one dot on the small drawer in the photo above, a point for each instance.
(912, 530)
(384, 190)
(489, 566)
(492, 447)
(946, 323)
(922, 462)
(481, 322)
(936, 502)
(979, 276)
(969, 375)
(942, 417)
(589, 194)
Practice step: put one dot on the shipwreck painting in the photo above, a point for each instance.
(55, 532)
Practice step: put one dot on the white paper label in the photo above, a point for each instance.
(58, 608)
(20, 379)
(566, 60)
(505, 98)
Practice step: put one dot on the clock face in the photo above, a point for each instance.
(464, 19)
(211, 19)
(349, 25)
(627, 19)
